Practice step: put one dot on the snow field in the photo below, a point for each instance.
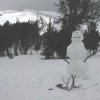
(29, 78)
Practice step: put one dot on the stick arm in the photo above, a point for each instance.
(89, 56)
(66, 60)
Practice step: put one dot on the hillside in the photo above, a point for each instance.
(24, 15)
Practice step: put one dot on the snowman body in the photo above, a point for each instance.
(77, 53)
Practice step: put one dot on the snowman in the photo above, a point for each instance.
(77, 68)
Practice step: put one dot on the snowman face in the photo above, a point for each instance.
(77, 36)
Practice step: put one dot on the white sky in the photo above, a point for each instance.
(28, 4)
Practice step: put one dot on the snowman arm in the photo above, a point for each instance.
(89, 56)
(66, 60)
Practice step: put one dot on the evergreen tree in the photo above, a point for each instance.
(91, 37)
(19, 36)
(74, 13)
(48, 51)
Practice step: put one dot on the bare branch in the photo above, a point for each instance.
(66, 60)
(90, 56)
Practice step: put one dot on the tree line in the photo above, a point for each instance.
(74, 13)
(19, 37)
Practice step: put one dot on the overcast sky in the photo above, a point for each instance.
(28, 4)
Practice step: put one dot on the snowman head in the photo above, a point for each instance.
(77, 36)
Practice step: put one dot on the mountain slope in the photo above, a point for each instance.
(24, 15)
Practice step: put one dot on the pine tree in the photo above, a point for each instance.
(74, 13)
(48, 51)
(91, 37)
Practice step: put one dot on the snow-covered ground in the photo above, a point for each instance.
(25, 15)
(29, 78)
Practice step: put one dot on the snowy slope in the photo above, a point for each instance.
(25, 15)
(29, 14)
(29, 77)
